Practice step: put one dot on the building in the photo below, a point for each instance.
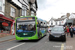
(9, 10)
(33, 7)
(25, 7)
(29, 7)
(71, 19)
(52, 22)
(59, 21)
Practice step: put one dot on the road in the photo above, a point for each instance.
(42, 44)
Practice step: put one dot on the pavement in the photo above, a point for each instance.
(70, 43)
(6, 38)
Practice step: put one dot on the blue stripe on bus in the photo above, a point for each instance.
(19, 30)
(43, 31)
(24, 31)
(27, 31)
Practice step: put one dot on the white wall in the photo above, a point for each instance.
(22, 2)
(65, 20)
(25, 3)
(57, 22)
(17, 2)
(62, 21)
(52, 22)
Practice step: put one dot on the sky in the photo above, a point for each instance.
(54, 8)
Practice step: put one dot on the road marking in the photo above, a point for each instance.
(62, 46)
(12, 39)
(15, 46)
(8, 40)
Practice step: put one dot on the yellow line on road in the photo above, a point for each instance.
(11, 39)
(7, 40)
(62, 46)
(15, 46)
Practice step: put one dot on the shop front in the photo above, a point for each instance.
(6, 25)
(69, 22)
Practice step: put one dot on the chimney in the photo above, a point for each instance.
(68, 14)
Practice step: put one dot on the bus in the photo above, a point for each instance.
(30, 28)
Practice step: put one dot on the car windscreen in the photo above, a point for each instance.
(59, 29)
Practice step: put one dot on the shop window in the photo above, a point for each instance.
(5, 27)
(24, 11)
(1, 2)
(12, 13)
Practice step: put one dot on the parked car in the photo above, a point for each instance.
(57, 32)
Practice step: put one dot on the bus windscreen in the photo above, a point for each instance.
(25, 26)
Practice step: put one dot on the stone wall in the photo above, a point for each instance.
(8, 10)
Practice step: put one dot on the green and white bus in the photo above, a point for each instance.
(30, 28)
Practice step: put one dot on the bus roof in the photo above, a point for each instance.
(24, 16)
(32, 16)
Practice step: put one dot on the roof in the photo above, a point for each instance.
(59, 19)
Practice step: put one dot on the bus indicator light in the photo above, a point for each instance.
(37, 22)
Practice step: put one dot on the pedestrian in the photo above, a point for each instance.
(74, 29)
(67, 30)
(71, 31)
(49, 29)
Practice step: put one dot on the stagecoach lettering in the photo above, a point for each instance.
(29, 18)
(24, 19)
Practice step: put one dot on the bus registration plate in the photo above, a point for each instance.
(25, 39)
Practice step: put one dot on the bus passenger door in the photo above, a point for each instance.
(38, 30)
